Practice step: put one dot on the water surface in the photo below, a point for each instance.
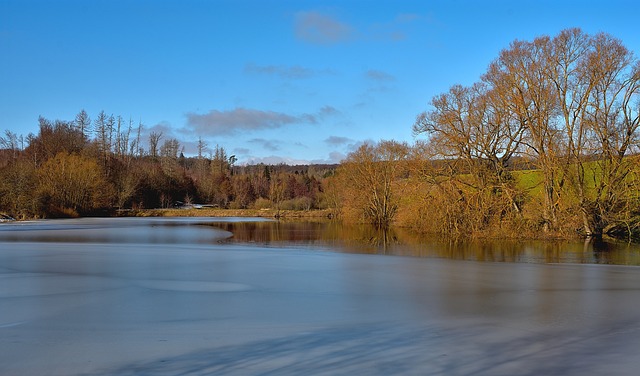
(336, 237)
(131, 296)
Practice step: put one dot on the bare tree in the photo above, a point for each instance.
(102, 128)
(154, 141)
(519, 76)
(471, 127)
(202, 146)
(83, 122)
(370, 173)
(10, 141)
(612, 123)
(136, 148)
(170, 149)
(124, 143)
(569, 103)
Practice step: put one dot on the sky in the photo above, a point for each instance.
(271, 81)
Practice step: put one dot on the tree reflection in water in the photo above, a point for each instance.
(364, 239)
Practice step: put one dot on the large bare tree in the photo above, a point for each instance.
(612, 121)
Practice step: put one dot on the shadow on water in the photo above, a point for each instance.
(363, 239)
(384, 350)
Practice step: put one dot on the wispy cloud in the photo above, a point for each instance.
(321, 28)
(377, 75)
(356, 144)
(407, 17)
(286, 72)
(399, 28)
(336, 157)
(221, 123)
(270, 145)
(318, 28)
(275, 160)
(327, 111)
(333, 158)
(163, 128)
(241, 151)
(231, 122)
(337, 140)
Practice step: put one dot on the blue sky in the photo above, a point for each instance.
(270, 81)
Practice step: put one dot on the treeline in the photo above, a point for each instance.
(545, 143)
(85, 167)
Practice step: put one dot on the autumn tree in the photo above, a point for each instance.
(53, 137)
(519, 77)
(612, 122)
(333, 194)
(126, 179)
(214, 185)
(72, 184)
(469, 126)
(585, 88)
(568, 105)
(474, 138)
(370, 173)
(243, 191)
(277, 188)
(261, 180)
(18, 185)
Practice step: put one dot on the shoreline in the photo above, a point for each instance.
(309, 215)
(216, 212)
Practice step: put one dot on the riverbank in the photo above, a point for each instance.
(216, 212)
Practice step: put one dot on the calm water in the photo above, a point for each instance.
(193, 296)
(315, 236)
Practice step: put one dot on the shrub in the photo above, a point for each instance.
(262, 203)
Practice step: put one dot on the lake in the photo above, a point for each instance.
(238, 296)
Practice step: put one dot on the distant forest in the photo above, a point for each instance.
(545, 144)
(85, 167)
